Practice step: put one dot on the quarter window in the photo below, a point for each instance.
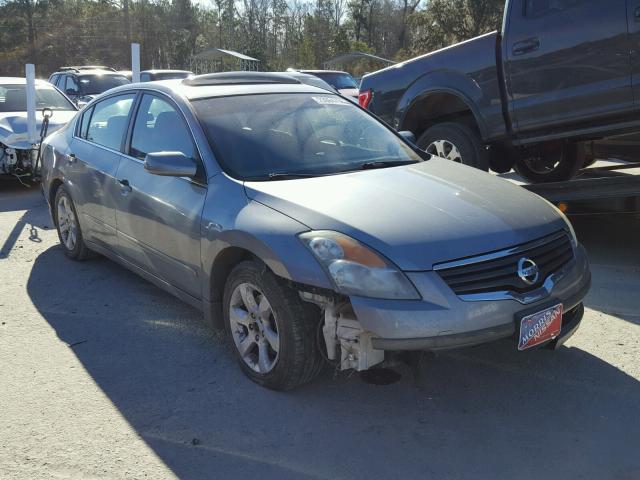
(109, 121)
(160, 128)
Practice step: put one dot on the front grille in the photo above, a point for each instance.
(498, 271)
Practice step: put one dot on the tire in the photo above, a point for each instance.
(552, 165)
(297, 359)
(468, 147)
(67, 225)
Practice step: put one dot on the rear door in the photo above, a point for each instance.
(567, 62)
(96, 150)
(159, 217)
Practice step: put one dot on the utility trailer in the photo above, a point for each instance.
(607, 187)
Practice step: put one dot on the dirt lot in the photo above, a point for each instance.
(102, 375)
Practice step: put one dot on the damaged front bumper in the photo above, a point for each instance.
(442, 320)
(358, 331)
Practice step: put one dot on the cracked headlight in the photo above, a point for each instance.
(356, 269)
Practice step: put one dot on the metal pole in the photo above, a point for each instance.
(135, 62)
(30, 73)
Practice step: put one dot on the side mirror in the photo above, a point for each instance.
(408, 136)
(71, 92)
(170, 164)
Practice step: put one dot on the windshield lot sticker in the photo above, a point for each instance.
(330, 101)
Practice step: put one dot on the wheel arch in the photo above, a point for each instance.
(438, 106)
(51, 195)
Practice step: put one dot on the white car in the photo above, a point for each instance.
(17, 153)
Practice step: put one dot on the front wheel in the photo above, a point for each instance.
(271, 330)
(455, 142)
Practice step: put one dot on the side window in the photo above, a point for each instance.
(60, 82)
(145, 77)
(109, 121)
(54, 79)
(160, 128)
(537, 8)
(84, 123)
(71, 84)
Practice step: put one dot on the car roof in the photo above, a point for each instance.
(88, 72)
(22, 81)
(324, 71)
(186, 88)
(161, 70)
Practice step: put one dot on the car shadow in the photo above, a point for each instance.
(484, 412)
(15, 197)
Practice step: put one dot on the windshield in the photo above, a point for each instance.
(258, 137)
(13, 98)
(337, 80)
(95, 84)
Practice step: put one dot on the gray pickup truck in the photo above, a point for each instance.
(534, 95)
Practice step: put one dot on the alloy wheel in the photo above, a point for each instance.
(67, 223)
(254, 328)
(444, 149)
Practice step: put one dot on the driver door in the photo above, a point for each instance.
(158, 218)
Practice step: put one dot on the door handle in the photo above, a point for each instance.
(125, 187)
(526, 46)
(72, 158)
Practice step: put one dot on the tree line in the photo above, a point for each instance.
(279, 33)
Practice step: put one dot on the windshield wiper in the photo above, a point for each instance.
(282, 176)
(385, 163)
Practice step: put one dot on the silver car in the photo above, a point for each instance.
(306, 228)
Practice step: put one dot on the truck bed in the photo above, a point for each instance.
(607, 186)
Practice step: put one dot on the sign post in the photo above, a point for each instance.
(30, 73)
(135, 62)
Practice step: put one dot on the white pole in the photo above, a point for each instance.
(30, 71)
(135, 62)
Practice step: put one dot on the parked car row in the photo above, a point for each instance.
(250, 196)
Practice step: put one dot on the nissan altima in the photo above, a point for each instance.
(306, 228)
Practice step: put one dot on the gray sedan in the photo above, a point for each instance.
(306, 228)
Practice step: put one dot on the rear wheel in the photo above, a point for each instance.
(69, 232)
(271, 330)
(551, 163)
(455, 142)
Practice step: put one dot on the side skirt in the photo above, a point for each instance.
(185, 297)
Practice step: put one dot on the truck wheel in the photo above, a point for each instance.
(271, 330)
(456, 142)
(551, 165)
(66, 221)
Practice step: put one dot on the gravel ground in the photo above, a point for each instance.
(102, 375)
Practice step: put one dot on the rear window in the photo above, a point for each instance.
(13, 98)
(95, 84)
(337, 80)
(258, 136)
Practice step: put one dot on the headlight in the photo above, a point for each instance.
(356, 269)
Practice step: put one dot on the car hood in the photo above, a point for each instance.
(416, 215)
(13, 126)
